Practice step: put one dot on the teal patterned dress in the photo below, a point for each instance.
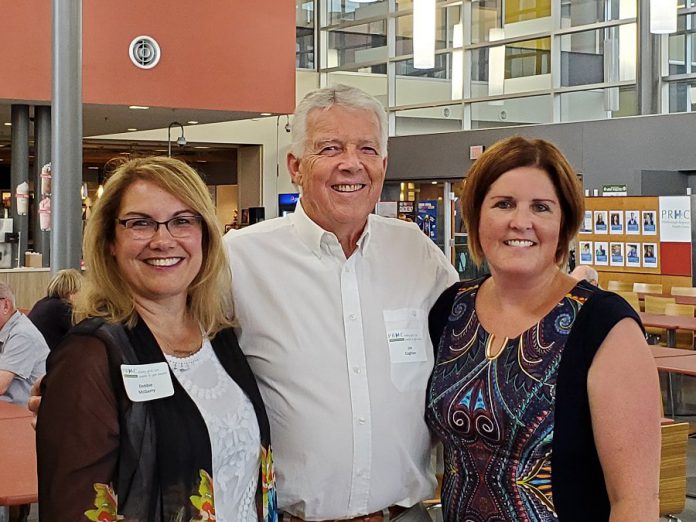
(516, 427)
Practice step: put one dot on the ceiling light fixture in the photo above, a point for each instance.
(423, 34)
(192, 122)
(8, 124)
(265, 114)
(496, 63)
(663, 16)
(138, 107)
(132, 129)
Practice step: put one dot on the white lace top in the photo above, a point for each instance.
(234, 432)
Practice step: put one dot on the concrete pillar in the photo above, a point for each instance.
(42, 139)
(66, 134)
(19, 174)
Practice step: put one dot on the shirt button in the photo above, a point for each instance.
(356, 369)
(353, 317)
(361, 420)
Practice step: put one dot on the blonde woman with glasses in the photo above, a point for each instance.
(150, 411)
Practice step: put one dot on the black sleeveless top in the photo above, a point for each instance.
(516, 427)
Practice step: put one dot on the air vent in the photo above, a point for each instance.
(144, 52)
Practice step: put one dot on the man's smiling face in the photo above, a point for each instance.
(342, 170)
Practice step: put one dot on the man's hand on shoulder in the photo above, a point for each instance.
(35, 400)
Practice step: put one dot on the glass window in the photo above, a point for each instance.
(530, 110)
(517, 67)
(524, 10)
(485, 15)
(357, 44)
(341, 11)
(583, 57)
(682, 96)
(429, 120)
(304, 34)
(372, 80)
(599, 104)
(428, 85)
(582, 12)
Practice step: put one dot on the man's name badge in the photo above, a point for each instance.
(147, 382)
(406, 345)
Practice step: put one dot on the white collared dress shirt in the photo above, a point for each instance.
(341, 352)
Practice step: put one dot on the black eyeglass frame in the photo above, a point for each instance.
(124, 223)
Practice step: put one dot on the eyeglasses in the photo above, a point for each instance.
(145, 228)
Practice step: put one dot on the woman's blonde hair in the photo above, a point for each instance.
(106, 294)
(65, 284)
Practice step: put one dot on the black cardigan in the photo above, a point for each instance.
(154, 454)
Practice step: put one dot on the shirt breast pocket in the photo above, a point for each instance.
(406, 330)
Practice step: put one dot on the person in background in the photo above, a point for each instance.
(23, 351)
(323, 297)
(52, 315)
(150, 411)
(544, 392)
(586, 273)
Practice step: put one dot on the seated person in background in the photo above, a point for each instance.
(52, 315)
(587, 273)
(23, 351)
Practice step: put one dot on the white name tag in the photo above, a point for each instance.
(147, 382)
(406, 345)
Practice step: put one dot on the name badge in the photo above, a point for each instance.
(406, 345)
(147, 382)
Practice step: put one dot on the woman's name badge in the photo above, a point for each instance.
(147, 382)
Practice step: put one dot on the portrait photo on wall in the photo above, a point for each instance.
(585, 252)
(600, 248)
(586, 227)
(617, 254)
(633, 254)
(600, 221)
(648, 218)
(616, 222)
(650, 255)
(633, 222)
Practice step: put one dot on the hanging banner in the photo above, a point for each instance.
(675, 219)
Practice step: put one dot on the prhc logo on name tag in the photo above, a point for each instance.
(147, 382)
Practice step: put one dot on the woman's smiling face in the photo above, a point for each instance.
(520, 223)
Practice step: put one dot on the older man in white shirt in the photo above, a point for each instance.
(332, 304)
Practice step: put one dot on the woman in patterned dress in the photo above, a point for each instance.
(544, 392)
(150, 411)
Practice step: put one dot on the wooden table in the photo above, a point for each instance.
(671, 323)
(685, 299)
(18, 480)
(673, 360)
(12, 411)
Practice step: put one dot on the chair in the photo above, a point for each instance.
(683, 290)
(647, 288)
(656, 305)
(620, 286)
(684, 339)
(673, 449)
(632, 299)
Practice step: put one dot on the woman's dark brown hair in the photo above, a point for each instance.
(512, 153)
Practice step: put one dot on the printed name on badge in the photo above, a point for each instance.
(147, 382)
(406, 345)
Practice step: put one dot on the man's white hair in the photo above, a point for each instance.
(342, 96)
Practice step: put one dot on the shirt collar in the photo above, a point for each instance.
(7, 328)
(312, 234)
